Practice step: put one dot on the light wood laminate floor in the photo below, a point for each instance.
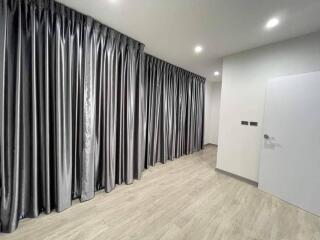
(183, 199)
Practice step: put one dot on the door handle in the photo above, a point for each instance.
(266, 136)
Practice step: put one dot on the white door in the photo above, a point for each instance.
(290, 157)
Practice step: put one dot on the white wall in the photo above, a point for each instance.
(212, 109)
(244, 80)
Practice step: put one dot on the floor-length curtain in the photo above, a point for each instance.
(174, 111)
(71, 108)
(82, 108)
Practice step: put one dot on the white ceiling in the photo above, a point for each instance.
(170, 29)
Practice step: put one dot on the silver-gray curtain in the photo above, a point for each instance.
(175, 111)
(71, 102)
(77, 113)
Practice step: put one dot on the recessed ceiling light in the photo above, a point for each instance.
(216, 73)
(198, 49)
(272, 23)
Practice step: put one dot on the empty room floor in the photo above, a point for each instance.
(183, 199)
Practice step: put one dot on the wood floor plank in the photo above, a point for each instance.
(183, 199)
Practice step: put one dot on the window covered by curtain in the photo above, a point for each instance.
(77, 113)
(174, 109)
(70, 108)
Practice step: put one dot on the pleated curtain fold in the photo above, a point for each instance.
(82, 108)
